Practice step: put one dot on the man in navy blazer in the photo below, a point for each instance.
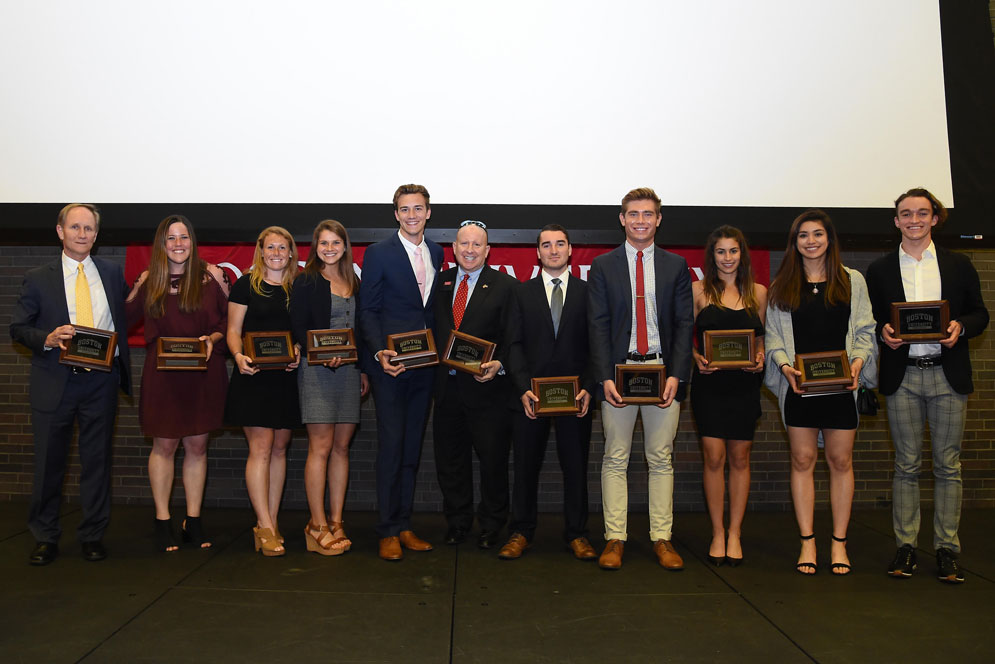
(926, 381)
(547, 336)
(471, 411)
(640, 312)
(395, 296)
(43, 321)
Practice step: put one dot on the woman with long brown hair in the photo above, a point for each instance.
(817, 304)
(264, 403)
(180, 295)
(325, 296)
(726, 403)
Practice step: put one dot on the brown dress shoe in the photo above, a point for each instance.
(514, 548)
(612, 556)
(582, 549)
(390, 548)
(412, 542)
(667, 555)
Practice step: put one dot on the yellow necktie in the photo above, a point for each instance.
(84, 308)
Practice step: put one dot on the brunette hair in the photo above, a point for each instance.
(406, 189)
(191, 281)
(786, 290)
(641, 194)
(713, 285)
(64, 212)
(938, 209)
(259, 266)
(313, 266)
(552, 228)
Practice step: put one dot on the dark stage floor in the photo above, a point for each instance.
(461, 604)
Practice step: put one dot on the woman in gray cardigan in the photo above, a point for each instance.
(818, 304)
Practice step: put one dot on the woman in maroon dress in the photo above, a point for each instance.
(180, 296)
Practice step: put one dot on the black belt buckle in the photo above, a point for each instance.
(925, 362)
(636, 357)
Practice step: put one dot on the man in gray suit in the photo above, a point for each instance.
(640, 312)
(75, 289)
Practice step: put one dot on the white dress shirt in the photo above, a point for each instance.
(921, 279)
(547, 281)
(649, 292)
(426, 258)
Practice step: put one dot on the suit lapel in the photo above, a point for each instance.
(537, 294)
(479, 295)
(57, 286)
(946, 274)
(444, 290)
(410, 281)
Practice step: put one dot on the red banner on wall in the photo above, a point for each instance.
(517, 260)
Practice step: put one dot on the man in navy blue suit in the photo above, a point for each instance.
(639, 308)
(396, 296)
(76, 289)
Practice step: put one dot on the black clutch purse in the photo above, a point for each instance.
(867, 401)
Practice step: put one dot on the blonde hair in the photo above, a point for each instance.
(256, 275)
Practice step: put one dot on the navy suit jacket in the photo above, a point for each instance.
(485, 317)
(389, 301)
(959, 285)
(609, 313)
(41, 307)
(533, 350)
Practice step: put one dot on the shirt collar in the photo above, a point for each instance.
(928, 252)
(69, 264)
(547, 279)
(631, 251)
(473, 275)
(408, 244)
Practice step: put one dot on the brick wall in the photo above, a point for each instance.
(770, 489)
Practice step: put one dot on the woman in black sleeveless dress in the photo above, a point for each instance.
(817, 304)
(726, 402)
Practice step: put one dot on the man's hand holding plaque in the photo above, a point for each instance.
(85, 347)
(409, 350)
(472, 355)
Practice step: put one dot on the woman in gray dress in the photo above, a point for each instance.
(325, 297)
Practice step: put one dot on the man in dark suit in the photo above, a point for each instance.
(639, 308)
(926, 381)
(471, 411)
(395, 296)
(76, 289)
(547, 336)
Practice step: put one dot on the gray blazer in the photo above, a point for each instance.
(780, 341)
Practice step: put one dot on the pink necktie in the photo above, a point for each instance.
(642, 342)
(459, 304)
(420, 272)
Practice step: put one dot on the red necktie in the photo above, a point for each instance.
(642, 342)
(459, 304)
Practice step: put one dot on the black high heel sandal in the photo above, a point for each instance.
(193, 532)
(801, 567)
(164, 536)
(840, 566)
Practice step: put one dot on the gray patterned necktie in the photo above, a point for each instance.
(556, 305)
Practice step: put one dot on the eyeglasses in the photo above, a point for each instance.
(473, 222)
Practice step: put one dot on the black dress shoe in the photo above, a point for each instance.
(488, 539)
(94, 551)
(455, 535)
(44, 553)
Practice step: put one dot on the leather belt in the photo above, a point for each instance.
(925, 362)
(636, 357)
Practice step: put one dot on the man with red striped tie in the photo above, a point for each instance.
(471, 411)
(640, 312)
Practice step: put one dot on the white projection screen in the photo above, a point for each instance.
(774, 103)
